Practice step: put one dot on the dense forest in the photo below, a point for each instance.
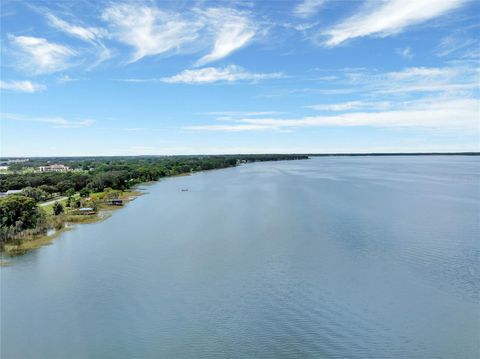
(98, 173)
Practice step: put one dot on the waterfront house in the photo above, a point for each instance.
(85, 211)
(116, 202)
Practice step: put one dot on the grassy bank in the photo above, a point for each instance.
(57, 224)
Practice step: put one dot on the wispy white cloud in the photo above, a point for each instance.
(414, 80)
(139, 80)
(229, 73)
(412, 73)
(233, 116)
(307, 8)
(242, 113)
(472, 54)
(220, 30)
(56, 122)
(149, 30)
(343, 106)
(430, 98)
(84, 33)
(302, 27)
(453, 43)
(406, 53)
(233, 30)
(406, 83)
(351, 106)
(39, 56)
(21, 86)
(92, 35)
(230, 128)
(424, 79)
(66, 78)
(391, 17)
(438, 115)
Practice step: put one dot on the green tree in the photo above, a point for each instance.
(57, 208)
(17, 213)
(64, 186)
(36, 193)
(48, 188)
(84, 192)
(70, 192)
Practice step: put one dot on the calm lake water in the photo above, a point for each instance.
(368, 257)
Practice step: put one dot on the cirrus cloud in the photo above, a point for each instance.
(56, 122)
(163, 32)
(92, 35)
(84, 33)
(229, 73)
(21, 86)
(39, 56)
(307, 8)
(392, 17)
(232, 29)
(149, 30)
(438, 115)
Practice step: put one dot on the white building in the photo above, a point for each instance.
(18, 160)
(10, 191)
(54, 168)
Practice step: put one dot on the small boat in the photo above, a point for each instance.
(184, 189)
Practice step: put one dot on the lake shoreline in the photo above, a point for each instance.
(36, 241)
(68, 222)
(29, 241)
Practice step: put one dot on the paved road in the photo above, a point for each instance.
(52, 201)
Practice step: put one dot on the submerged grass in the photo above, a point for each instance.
(34, 241)
(31, 240)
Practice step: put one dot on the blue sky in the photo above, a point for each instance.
(190, 77)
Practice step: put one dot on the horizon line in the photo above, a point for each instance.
(464, 153)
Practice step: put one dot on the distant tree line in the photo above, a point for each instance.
(120, 173)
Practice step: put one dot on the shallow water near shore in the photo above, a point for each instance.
(331, 257)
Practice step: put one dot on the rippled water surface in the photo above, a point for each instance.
(368, 257)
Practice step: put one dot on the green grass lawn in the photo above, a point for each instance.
(22, 171)
(49, 208)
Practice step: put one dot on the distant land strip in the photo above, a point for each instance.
(261, 154)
